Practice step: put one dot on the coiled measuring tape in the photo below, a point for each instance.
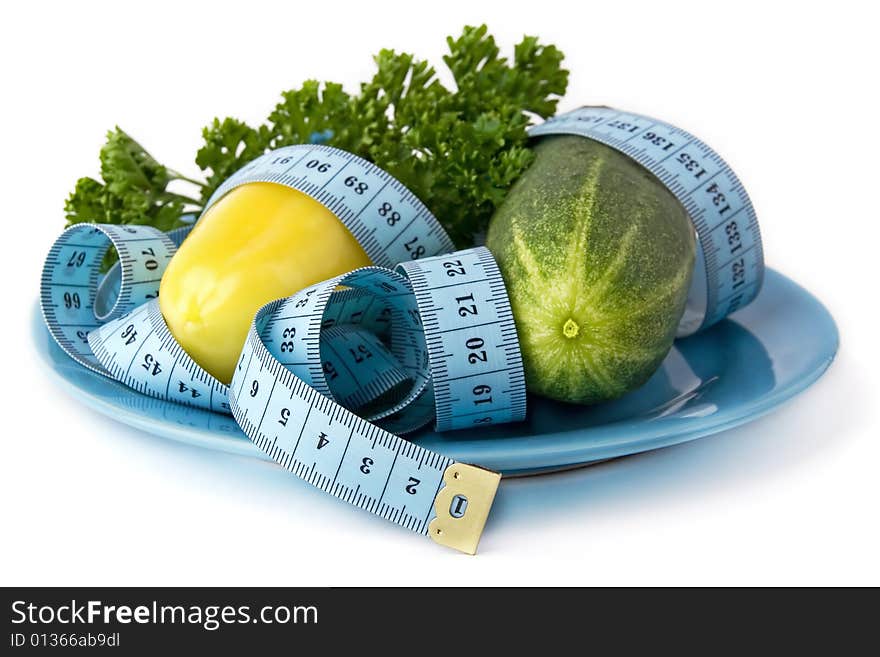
(729, 267)
(328, 376)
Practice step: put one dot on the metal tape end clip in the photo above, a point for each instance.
(462, 506)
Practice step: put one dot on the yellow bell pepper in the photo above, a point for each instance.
(260, 242)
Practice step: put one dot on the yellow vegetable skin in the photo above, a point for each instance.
(260, 242)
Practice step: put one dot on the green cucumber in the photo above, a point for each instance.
(597, 256)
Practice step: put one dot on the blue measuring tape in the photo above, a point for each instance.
(729, 267)
(328, 376)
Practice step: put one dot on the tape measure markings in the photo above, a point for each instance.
(402, 214)
(463, 322)
(359, 447)
(363, 385)
(69, 283)
(315, 299)
(165, 371)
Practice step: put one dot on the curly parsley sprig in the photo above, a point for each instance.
(459, 150)
(133, 190)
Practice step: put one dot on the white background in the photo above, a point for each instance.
(786, 92)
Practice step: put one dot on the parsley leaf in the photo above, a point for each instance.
(305, 114)
(134, 189)
(459, 150)
(229, 145)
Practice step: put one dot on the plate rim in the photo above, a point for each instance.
(510, 460)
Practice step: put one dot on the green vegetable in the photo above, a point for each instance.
(134, 189)
(458, 150)
(597, 256)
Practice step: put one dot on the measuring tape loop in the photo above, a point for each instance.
(451, 330)
(293, 333)
(71, 281)
(110, 286)
(729, 268)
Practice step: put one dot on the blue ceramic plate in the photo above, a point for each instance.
(734, 372)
